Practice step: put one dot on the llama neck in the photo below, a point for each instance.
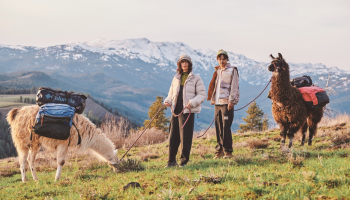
(281, 87)
(103, 147)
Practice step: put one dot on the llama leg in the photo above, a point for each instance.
(303, 131)
(283, 134)
(312, 122)
(31, 159)
(292, 130)
(61, 156)
(23, 154)
(312, 132)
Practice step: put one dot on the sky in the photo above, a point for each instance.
(304, 31)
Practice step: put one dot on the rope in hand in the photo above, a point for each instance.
(151, 122)
(238, 109)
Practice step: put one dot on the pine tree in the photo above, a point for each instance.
(253, 119)
(160, 122)
(21, 99)
(265, 123)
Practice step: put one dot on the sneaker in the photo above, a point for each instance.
(218, 154)
(228, 155)
(182, 165)
(172, 164)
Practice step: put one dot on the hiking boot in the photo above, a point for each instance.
(228, 155)
(172, 164)
(218, 154)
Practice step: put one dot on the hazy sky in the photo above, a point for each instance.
(316, 31)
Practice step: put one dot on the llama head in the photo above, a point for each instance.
(115, 162)
(277, 64)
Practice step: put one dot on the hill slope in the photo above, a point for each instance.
(318, 172)
(115, 94)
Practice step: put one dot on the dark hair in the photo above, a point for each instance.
(179, 69)
(225, 56)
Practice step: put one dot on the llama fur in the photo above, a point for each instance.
(288, 107)
(22, 120)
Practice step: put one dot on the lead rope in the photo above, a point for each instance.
(151, 122)
(237, 109)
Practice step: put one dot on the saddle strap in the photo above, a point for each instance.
(79, 137)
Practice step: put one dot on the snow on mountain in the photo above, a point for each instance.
(160, 53)
(164, 55)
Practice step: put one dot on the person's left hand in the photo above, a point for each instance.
(189, 106)
(230, 106)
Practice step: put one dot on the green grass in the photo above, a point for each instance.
(270, 173)
(9, 100)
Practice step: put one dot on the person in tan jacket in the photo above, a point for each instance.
(186, 91)
(223, 92)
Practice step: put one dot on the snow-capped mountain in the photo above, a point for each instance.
(142, 63)
(100, 54)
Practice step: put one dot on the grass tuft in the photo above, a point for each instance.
(129, 165)
(258, 144)
(297, 161)
(242, 159)
(342, 139)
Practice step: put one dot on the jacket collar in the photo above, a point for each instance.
(228, 65)
(178, 75)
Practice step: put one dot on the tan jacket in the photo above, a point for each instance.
(229, 87)
(193, 92)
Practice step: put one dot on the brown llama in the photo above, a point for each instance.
(22, 120)
(288, 107)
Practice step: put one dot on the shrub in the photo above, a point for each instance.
(297, 161)
(122, 136)
(258, 144)
(129, 165)
(342, 139)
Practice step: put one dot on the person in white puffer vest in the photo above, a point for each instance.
(223, 92)
(187, 91)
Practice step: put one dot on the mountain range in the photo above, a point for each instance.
(130, 73)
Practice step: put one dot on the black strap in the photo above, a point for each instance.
(67, 96)
(79, 138)
(69, 140)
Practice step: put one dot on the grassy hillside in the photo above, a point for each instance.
(128, 101)
(260, 169)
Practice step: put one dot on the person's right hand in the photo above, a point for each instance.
(167, 104)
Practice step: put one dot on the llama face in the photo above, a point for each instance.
(277, 64)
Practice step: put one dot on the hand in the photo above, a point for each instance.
(230, 106)
(189, 106)
(167, 104)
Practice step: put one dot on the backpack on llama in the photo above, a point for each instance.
(314, 97)
(303, 81)
(48, 95)
(54, 121)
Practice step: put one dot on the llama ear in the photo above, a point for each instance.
(272, 56)
(280, 56)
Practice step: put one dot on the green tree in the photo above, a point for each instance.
(265, 123)
(159, 122)
(253, 120)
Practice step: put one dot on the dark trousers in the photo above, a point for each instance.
(223, 122)
(181, 136)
